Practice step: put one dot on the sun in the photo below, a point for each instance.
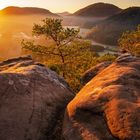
(4, 4)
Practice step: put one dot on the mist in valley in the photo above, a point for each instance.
(83, 22)
(13, 29)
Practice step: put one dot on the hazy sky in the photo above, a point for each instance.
(65, 5)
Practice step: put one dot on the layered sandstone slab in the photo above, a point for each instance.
(32, 101)
(108, 107)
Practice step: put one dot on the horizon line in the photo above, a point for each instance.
(64, 10)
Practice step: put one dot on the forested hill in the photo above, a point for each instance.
(109, 30)
(26, 11)
(98, 10)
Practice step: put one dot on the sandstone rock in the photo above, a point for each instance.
(88, 75)
(32, 101)
(108, 107)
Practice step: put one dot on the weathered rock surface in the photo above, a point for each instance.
(89, 74)
(108, 107)
(32, 101)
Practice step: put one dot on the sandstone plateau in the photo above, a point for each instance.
(108, 107)
(32, 101)
(37, 104)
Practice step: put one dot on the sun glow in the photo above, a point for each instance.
(4, 4)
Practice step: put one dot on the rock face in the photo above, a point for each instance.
(108, 107)
(88, 75)
(32, 101)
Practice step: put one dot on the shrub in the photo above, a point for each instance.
(130, 42)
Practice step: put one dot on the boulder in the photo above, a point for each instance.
(32, 101)
(108, 107)
(89, 74)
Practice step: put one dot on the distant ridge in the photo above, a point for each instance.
(98, 10)
(64, 14)
(12, 10)
(131, 13)
(109, 30)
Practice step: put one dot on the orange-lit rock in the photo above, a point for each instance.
(108, 107)
(89, 74)
(32, 101)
